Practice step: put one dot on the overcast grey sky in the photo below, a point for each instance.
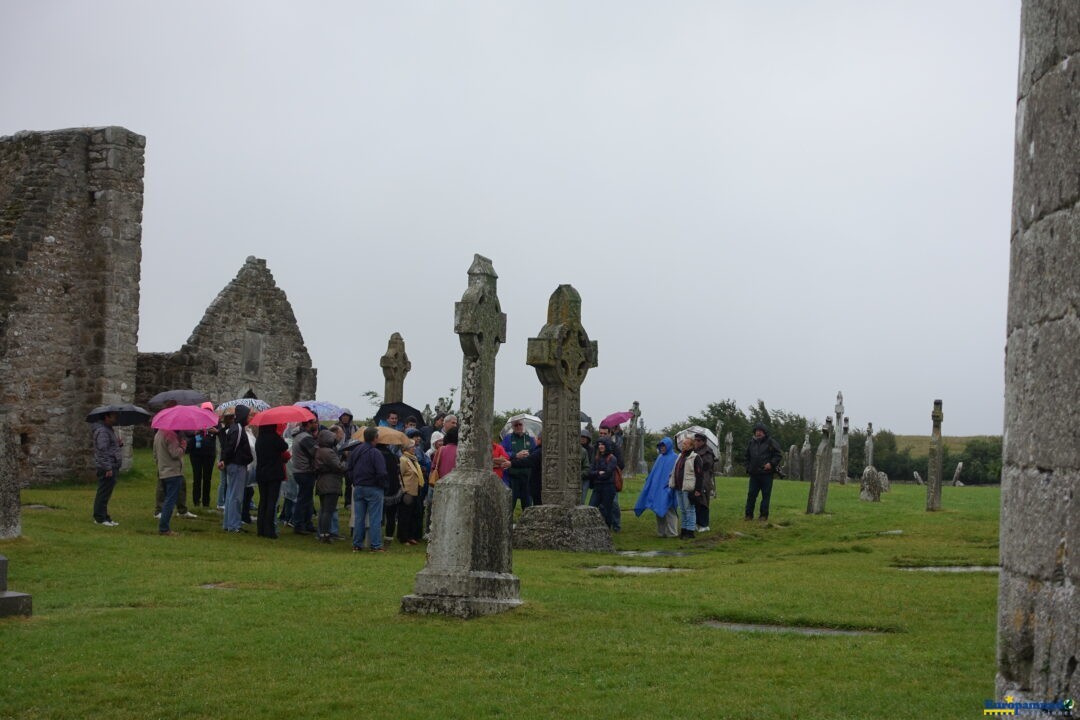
(755, 199)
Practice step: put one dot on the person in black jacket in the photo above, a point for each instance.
(602, 478)
(271, 452)
(236, 455)
(762, 458)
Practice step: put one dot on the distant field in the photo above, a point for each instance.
(920, 444)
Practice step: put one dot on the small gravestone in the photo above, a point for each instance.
(819, 484)
(956, 475)
(883, 480)
(933, 473)
(729, 451)
(918, 478)
(395, 366)
(806, 461)
(870, 487)
(12, 603)
(562, 355)
(793, 462)
(469, 560)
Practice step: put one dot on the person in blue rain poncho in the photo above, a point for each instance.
(656, 495)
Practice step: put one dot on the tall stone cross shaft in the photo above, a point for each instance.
(562, 355)
(395, 366)
(933, 472)
(468, 570)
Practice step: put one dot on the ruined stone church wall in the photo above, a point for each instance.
(70, 233)
(247, 341)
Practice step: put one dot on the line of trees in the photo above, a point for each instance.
(981, 456)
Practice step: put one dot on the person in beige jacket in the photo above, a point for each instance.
(169, 456)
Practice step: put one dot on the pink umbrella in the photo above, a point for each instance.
(281, 415)
(614, 420)
(184, 417)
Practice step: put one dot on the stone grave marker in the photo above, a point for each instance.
(806, 464)
(819, 483)
(395, 366)
(562, 355)
(469, 559)
(933, 473)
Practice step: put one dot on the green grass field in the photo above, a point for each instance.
(123, 627)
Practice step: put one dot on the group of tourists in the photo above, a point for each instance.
(390, 485)
(682, 482)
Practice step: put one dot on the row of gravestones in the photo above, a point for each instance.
(829, 463)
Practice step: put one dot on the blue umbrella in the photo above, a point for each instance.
(323, 410)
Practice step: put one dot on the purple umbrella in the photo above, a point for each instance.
(614, 420)
(184, 417)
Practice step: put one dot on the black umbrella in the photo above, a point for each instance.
(129, 414)
(582, 418)
(182, 397)
(403, 411)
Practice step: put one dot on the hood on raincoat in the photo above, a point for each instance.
(326, 438)
(656, 495)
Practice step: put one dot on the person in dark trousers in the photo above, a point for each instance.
(615, 448)
(303, 467)
(708, 483)
(762, 458)
(202, 453)
(107, 459)
(518, 444)
(532, 462)
(328, 472)
(392, 489)
(602, 479)
(271, 454)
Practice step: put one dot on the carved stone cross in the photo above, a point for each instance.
(481, 327)
(395, 366)
(562, 355)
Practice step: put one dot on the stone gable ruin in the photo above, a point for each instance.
(247, 343)
(70, 233)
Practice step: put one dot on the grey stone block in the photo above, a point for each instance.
(556, 527)
(1032, 498)
(1041, 285)
(1042, 382)
(15, 603)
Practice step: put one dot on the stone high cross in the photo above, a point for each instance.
(562, 355)
(480, 325)
(395, 366)
(469, 562)
(933, 473)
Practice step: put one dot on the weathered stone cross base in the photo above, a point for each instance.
(556, 527)
(468, 573)
(12, 603)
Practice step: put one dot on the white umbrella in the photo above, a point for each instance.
(710, 437)
(533, 424)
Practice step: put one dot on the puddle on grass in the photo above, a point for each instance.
(38, 507)
(216, 586)
(652, 553)
(637, 569)
(795, 629)
(891, 532)
(954, 569)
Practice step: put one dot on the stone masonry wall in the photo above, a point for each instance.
(248, 341)
(70, 233)
(1038, 603)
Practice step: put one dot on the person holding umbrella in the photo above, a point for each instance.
(169, 455)
(107, 460)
